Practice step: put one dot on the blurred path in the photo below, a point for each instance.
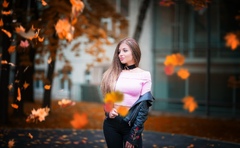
(68, 138)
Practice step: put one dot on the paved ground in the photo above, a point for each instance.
(67, 138)
(161, 130)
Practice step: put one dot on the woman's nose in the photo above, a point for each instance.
(120, 54)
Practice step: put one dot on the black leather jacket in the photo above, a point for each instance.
(137, 115)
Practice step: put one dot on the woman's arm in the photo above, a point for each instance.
(138, 125)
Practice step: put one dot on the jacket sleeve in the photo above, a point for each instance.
(138, 125)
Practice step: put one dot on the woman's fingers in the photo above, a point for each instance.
(128, 145)
(113, 113)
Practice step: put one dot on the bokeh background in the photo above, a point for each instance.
(53, 54)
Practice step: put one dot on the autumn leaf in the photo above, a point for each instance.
(38, 115)
(7, 33)
(232, 41)
(189, 103)
(174, 60)
(1, 23)
(30, 135)
(66, 102)
(24, 44)
(44, 3)
(11, 49)
(183, 73)
(123, 111)
(15, 106)
(19, 95)
(25, 85)
(108, 106)
(11, 143)
(169, 69)
(79, 120)
(114, 96)
(47, 87)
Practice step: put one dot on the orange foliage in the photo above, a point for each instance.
(47, 87)
(79, 120)
(189, 103)
(1, 23)
(11, 49)
(166, 3)
(115, 96)
(19, 95)
(110, 99)
(169, 70)
(123, 111)
(183, 73)
(108, 106)
(174, 60)
(232, 41)
(15, 106)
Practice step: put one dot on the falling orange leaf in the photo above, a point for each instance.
(65, 103)
(108, 106)
(30, 135)
(189, 103)
(38, 115)
(7, 12)
(84, 140)
(123, 111)
(183, 73)
(1, 23)
(19, 95)
(11, 49)
(10, 87)
(19, 29)
(40, 39)
(114, 96)
(77, 5)
(169, 69)
(174, 60)
(14, 106)
(44, 3)
(7, 33)
(25, 85)
(5, 4)
(4, 62)
(232, 41)
(79, 120)
(47, 87)
(11, 143)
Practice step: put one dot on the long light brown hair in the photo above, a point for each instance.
(112, 73)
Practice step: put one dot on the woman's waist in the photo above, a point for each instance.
(121, 106)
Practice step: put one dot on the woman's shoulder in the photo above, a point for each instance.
(142, 71)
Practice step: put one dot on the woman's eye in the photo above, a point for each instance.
(125, 50)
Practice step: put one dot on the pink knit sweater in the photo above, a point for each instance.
(133, 85)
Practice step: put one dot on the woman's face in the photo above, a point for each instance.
(125, 54)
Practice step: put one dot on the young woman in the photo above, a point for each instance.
(125, 76)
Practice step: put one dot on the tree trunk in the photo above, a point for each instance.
(141, 17)
(5, 67)
(47, 91)
(50, 72)
(24, 78)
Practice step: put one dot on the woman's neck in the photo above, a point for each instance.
(129, 67)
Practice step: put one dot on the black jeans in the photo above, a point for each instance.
(116, 132)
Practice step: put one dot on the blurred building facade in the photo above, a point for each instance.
(179, 28)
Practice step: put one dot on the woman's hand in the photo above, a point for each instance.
(129, 145)
(113, 113)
